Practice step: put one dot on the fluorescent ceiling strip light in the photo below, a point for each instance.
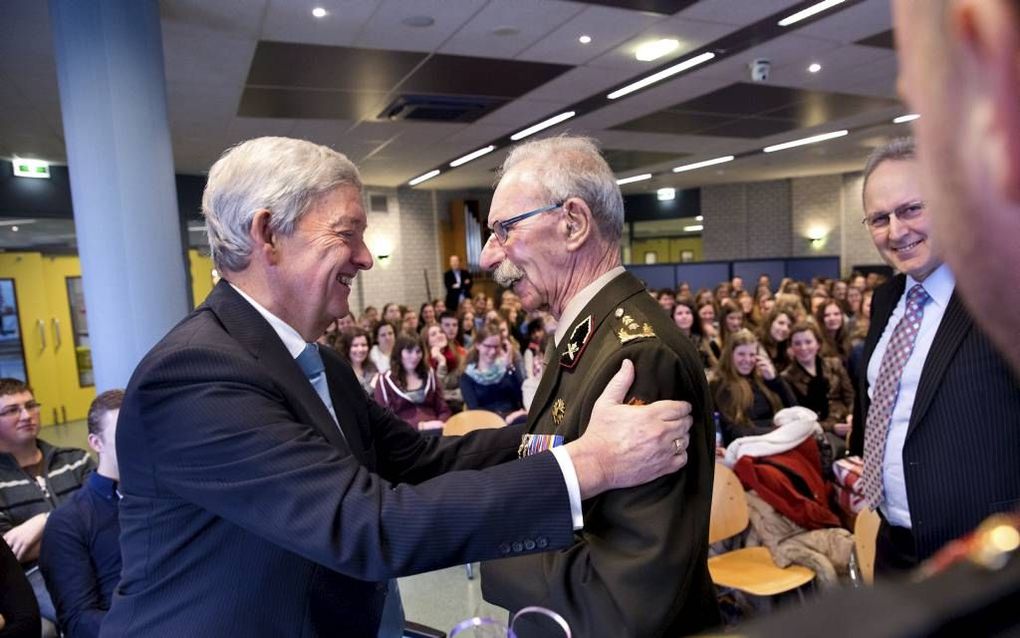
(631, 180)
(693, 229)
(810, 11)
(544, 124)
(16, 222)
(697, 165)
(473, 155)
(910, 117)
(423, 178)
(662, 75)
(806, 140)
(654, 50)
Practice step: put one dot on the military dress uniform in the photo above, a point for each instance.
(638, 567)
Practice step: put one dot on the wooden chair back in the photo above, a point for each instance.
(471, 420)
(729, 514)
(865, 533)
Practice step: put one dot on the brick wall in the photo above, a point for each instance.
(773, 219)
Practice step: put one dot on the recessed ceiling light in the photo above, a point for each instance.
(635, 178)
(661, 75)
(14, 229)
(697, 165)
(419, 22)
(505, 31)
(806, 140)
(472, 155)
(814, 67)
(699, 218)
(584, 39)
(544, 124)
(906, 118)
(666, 194)
(319, 12)
(810, 11)
(422, 178)
(654, 50)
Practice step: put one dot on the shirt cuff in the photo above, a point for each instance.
(573, 488)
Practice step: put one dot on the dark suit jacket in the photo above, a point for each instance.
(453, 295)
(961, 457)
(638, 568)
(246, 513)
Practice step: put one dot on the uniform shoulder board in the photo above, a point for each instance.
(631, 325)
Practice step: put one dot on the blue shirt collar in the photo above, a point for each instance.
(104, 486)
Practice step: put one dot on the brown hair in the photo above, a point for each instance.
(9, 386)
(106, 402)
(732, 392)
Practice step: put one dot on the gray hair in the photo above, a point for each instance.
(898, 150)
(570, 166)
(282, 175)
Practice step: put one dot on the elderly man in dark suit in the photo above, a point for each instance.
(638, 568)
(264, 493)
(938, 417)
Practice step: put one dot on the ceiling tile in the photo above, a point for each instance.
(288, 21)
(691, 34)
(384, 30)
(735, 12)
(607, 27)
(530, 19)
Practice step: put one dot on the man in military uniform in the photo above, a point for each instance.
(638, 567)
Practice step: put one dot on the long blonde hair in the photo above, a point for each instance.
(732, 391)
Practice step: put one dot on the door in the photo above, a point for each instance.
(69, 336)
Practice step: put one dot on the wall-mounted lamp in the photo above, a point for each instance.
(382, 248)
(817, 235)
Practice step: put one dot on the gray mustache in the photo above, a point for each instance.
(507, 274)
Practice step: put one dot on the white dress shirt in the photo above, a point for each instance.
(939, 286)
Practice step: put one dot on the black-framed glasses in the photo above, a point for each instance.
(502, 228)
(32, 407)
(905, 213)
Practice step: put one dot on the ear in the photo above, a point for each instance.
(577, 225)
(264, 242)
(987, 35)
(95, 443)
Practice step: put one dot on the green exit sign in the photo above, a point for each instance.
(31, 168)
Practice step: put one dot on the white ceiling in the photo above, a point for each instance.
(209, 44)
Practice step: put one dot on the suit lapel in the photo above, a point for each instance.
(955, 325)
(883, 303)
(345, 396)
(253, 333)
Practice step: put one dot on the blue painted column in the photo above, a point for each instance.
(113, 98)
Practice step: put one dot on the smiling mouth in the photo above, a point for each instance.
(908, 247)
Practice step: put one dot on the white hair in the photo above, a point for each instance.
(570, 166)
(282, 175)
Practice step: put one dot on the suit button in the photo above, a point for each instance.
(518, 547)
(543, 542)
(529, 544)
(504, 548)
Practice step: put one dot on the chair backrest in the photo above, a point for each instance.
(865, 533)
(729, 506)
(471, 420)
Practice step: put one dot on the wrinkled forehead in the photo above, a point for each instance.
(517, 192)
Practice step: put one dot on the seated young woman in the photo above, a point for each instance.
(820, 384)
(747, 390)
(409, 388)
(353, 346)
(835, 337)
(489, 381)
(774, 336)
(685, 317)
(383, 333)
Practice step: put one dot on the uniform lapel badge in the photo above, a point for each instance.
(632, 329)
(532, 444)
(576, 343)
(559, 410)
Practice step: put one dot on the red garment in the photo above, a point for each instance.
(792, 483)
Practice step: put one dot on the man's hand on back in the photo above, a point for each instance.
(626, 445)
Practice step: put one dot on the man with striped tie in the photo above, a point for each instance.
(938, 417)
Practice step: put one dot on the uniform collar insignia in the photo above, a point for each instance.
(576, 343)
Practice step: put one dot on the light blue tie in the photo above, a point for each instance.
(310, 362)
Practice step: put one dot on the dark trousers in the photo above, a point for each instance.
(895, 552)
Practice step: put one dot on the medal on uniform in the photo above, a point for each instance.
(534, 443)
(559, 409)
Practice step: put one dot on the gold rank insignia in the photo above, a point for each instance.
(631, 328)
(576, 343)
(559, 410)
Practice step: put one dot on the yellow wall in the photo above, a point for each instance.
(201, 276)
(666, 249)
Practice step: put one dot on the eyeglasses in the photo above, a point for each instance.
(502, 228)
(32, 407)
(904, 213)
